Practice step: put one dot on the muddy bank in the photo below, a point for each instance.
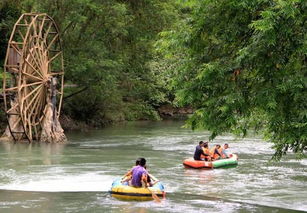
(68, 124)
(164, 111)
(170, 112)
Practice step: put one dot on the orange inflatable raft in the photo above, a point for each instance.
(198, 164)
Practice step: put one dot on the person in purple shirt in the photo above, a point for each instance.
(139, 174)
(127, 177)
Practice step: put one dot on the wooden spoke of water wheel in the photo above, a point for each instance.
(34, 75)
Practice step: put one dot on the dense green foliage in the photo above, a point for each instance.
(240, 64)
(8, 15)
(243, 66)
(107, 51)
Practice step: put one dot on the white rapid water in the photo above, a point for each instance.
(84, 182)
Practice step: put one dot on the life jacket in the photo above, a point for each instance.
(206, 151)
(207, 154)
(213, 153)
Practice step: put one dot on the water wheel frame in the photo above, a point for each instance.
(33, 75)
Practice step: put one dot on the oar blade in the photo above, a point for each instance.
(154, 196)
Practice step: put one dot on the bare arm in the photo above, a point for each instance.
(144, 179)
(217, 152)
(127, 174)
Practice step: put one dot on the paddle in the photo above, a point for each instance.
(153, 177)
(154, 196)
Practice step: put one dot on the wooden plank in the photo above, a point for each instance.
(23, 38)
(22, 25)
(11, 66)
(34, 98)
(11, 89)
(16, 122)
(42, 26)
(56, 55)
(32, 84)
(33, 77)
(13, 70)
(52, 41)
(13, 113)
(36, 105)
(33, 69)
(13, 107)
(56, 73)
(28, 95)
(16, 48)
(37, 63)
(15, 42)
(47, 31)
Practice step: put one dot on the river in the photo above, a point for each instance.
(76, 177)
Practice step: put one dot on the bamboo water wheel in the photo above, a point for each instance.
(33, 80)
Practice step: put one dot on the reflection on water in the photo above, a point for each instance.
(50, 153)
(26, 153)
(77, 177)
(203, 176)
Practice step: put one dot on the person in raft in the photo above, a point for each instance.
(139, 174)
(202, 150)
(218, 152)
(127, 177)
(215, 152)
(223, 152)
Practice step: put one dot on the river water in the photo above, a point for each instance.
(77, 177)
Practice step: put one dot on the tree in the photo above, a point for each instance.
(244, 66)
(108, 47)
(9, 13)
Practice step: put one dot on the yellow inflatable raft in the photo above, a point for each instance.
(124, 192)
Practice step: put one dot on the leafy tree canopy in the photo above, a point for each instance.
(242, 64)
